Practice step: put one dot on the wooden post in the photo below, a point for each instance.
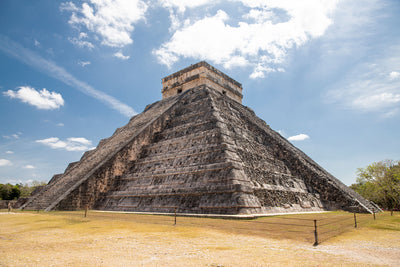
(373, 211)
(391, 212)
(315, 233)
(86, 209)
(9, 207)
(355, 220)
(175, 216)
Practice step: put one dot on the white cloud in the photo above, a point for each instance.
(257, 39)
(42, 99)
(236, 61)
(183, 4)
(81, 43)
(299, 137)
(83, 35)
(9, 152)
(376, 101)
(121, 56)
(394, 75)
(111, 20)
(13, 136)
(53, 70)
(369, 88)
(71, 144)
(60, 124)
(29, 167)
(37, 43)
(80, 140)
(282, 132)
(5, 162)
(68, 6)
(84, 63)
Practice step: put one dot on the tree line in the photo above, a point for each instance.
(380, 182)
(13, 192)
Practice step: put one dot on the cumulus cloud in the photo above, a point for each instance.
(5, 162)
(394, 75)
(42, 99)
(251, 33)
(29, 167)
(110, 20)
(261, 37)
(121, 56)
(70, 144)
(299, 137)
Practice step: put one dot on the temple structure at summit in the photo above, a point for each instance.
(201, 74)
(199, 151)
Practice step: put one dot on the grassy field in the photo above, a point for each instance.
(104, 239)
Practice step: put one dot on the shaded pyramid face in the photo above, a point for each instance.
(198, 152)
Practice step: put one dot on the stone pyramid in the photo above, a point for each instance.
(199, 151)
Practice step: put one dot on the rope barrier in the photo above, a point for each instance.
(299, 219)
(288, 224)
(291, 227)
(335, 222)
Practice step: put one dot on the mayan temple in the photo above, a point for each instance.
(199, 151)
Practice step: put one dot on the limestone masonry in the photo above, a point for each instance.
(199, 151)
(201, 74)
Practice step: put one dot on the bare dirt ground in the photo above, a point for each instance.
(69, 239)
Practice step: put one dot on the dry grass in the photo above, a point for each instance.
(104, 239)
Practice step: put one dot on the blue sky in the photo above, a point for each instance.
(324, 73)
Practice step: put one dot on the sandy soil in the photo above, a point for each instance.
(29, 239)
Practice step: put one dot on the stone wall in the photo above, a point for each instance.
(201, 74)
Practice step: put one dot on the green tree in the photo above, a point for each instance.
(380, 182)
(12, 192)
(28, 188)
(5, 191)
(9, 191)
(15, 192)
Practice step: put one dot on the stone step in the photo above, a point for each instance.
(183, 170)
(201, 190)
(148, 156)
(172, 183)
(180, 142)
(193, 126)
(205, 157)
(221, 175)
